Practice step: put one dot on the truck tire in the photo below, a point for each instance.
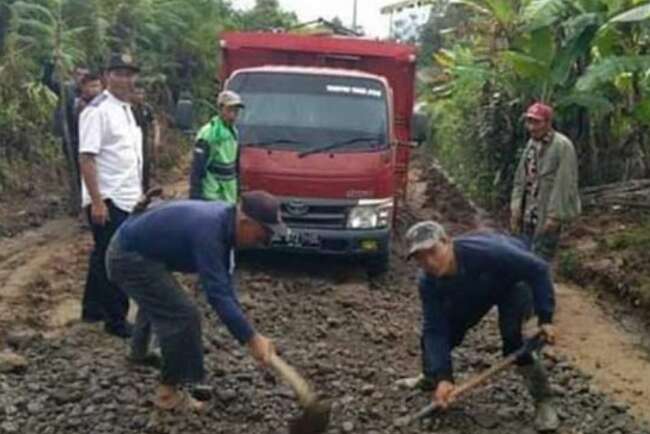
(378, 265)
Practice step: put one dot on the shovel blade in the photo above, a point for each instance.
(314, 419)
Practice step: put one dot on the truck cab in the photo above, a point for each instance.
(328, 139)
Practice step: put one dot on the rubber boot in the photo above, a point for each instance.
(536, 380)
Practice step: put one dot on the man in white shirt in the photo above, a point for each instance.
(110, 157)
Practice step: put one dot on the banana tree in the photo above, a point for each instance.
(611, 81)
(493, 23)
(561, 37)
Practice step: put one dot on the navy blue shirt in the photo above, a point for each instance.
(487, 265)
(193, 236)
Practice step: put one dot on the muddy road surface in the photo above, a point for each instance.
(352, 335)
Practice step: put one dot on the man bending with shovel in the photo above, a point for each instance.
(193, 237)
(462, 279)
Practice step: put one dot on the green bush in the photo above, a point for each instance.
(476, 140)
(568, 263)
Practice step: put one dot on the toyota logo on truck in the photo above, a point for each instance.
(297, 208)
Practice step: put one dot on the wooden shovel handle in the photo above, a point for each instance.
(462, 389)
(300, 386)
(481, 378)
(531, 344)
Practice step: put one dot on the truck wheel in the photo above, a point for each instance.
(379, 264)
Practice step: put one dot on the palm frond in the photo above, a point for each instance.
(609, 68)
(525, 66)
(31, 25)
(503, 11)
(75, 32)
(29, 41)
(474, 5)
(634, 15)
(596, 104)
(544, 13)
(583, 31)
(22, 8)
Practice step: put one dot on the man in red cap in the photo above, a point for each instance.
(545, 193)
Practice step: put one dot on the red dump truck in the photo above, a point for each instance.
(327, 128)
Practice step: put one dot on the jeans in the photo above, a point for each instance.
(164, 308)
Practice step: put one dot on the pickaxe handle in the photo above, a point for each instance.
(300, 386)
(532, 344)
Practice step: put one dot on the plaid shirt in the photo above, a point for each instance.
(535, 151)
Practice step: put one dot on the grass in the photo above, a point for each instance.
(636, 238)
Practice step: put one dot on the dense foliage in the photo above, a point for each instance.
(175, 41)
(589, 58)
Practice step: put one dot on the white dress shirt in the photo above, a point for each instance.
(108, 130)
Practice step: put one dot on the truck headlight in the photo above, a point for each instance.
(371, 214)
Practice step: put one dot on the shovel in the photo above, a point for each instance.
(535, 343)
(315, 416)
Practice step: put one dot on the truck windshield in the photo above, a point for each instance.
(305, 112)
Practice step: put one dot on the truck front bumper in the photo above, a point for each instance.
(341, 242)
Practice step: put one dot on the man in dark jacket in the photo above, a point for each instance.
(91, 86)
(66, 114)
(65, 109)
(462, 279)
(188, 236)
(146, 120)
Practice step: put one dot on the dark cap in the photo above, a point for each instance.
(122, 61)
(264, 208)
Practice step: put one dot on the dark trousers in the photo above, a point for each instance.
(103, 299)
(166, 308)
(514, 308)
(543, 245)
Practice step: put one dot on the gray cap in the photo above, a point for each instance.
(228, 98)
(424, 235)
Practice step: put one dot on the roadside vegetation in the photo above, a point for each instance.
(175, 41)
(486, 60)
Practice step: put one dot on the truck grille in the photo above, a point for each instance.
(315, 213)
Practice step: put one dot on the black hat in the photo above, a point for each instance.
(122, 61)
(264, 208)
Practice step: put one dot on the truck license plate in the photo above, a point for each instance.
(294, 239)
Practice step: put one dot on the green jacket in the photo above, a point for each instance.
(216, 158)
(558, 184)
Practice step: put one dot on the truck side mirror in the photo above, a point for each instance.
(183, 115)
(419, 128)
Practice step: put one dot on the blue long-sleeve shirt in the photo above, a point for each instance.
(192, 236)
(487, 265)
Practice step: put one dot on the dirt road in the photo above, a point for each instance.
(352, 335)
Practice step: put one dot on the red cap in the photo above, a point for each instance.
(540, 112)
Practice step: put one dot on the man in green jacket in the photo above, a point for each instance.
(214, 173)
(545, 195)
